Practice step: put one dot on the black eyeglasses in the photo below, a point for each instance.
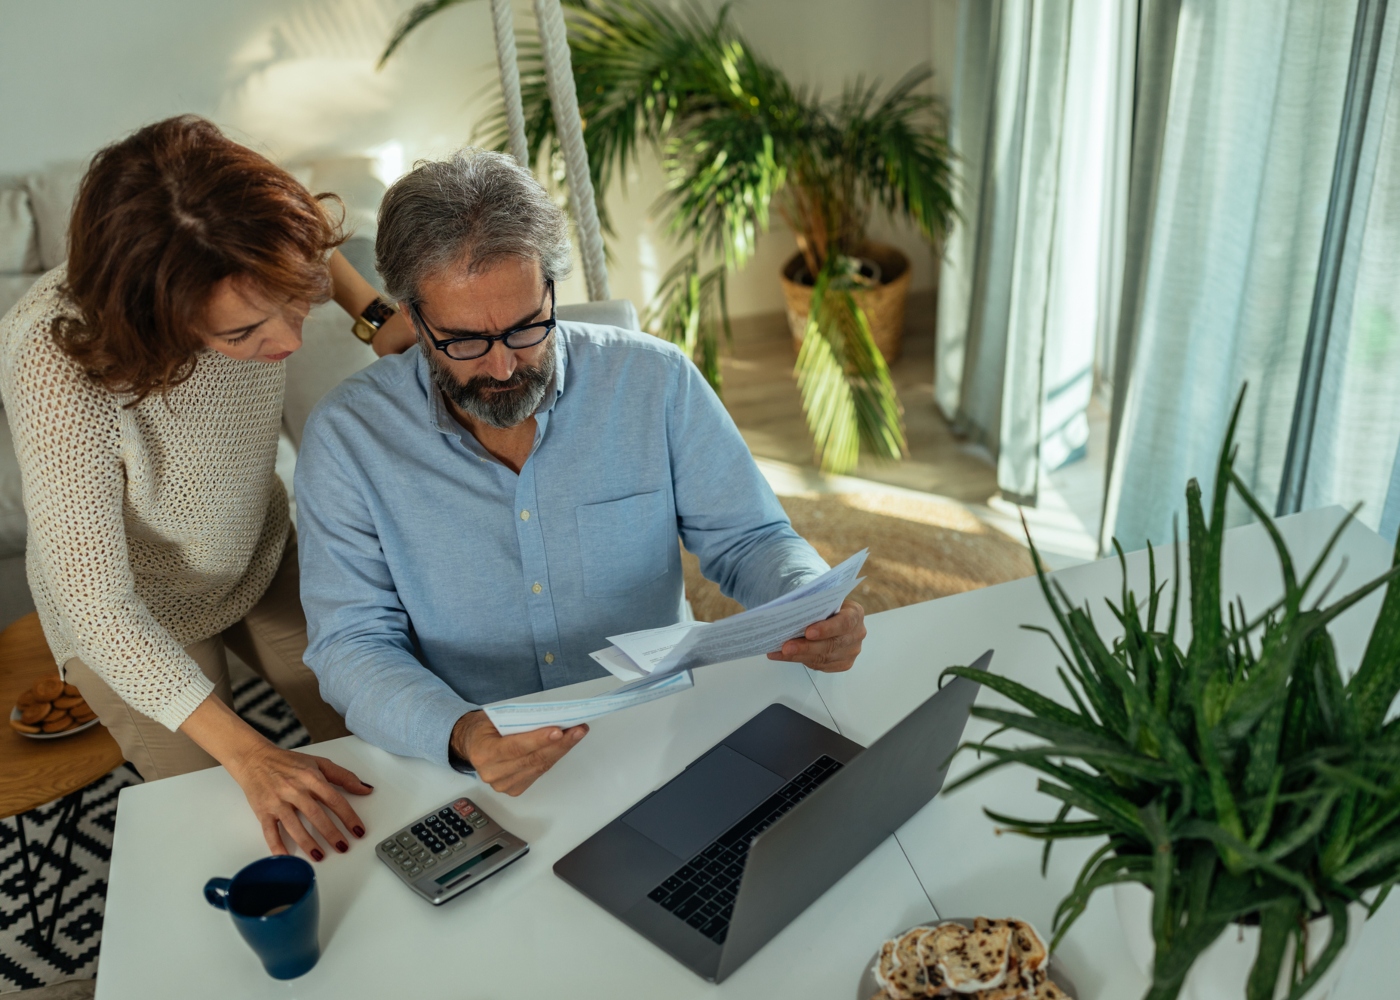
(478, 345)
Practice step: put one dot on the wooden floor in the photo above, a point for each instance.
(761, 394)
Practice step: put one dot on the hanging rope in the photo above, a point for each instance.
(510, 80)
(559, 76)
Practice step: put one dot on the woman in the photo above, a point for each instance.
(143, 384)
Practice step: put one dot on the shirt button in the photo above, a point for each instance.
(524, 515)
(548, 657)
(537, 588)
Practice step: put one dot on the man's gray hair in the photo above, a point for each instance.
(477, 206)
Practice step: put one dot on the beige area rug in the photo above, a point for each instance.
(919, 549)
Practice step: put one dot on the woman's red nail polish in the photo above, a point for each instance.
(342, 846)
(358, 831)
(317, 856)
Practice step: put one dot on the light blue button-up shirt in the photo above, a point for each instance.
(435, 579)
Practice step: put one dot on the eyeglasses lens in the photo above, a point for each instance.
(467, 350)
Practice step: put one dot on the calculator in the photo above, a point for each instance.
(447, 852)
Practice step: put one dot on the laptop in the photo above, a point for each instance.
(713, 864)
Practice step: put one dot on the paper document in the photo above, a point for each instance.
(510, 719)
(759, 630)
(657, 662)
(618, 663)
(645, 649)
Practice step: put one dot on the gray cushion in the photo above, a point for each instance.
(51, 194)
(19, 246)
(614, 312)
(12, 289)
(359, 251)
(12, 522)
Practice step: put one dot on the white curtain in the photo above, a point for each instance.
(1039, 121)
(1242, 200)
(1358, 423)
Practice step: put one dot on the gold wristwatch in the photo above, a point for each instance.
(374, 315)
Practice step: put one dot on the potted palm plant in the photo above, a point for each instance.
(1243, 780)
(737, 142)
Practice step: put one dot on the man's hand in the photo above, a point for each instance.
(831, 645)
(510, 764)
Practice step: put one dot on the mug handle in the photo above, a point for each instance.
(216, 892)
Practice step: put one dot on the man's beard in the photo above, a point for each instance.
(499, 404)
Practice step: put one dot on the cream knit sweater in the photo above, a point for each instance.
(150, 528)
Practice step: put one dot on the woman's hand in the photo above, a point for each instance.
(297, 790)
(283, 787)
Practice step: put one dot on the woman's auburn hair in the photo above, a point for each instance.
(160, 218)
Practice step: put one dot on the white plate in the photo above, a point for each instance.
(869, 987)
(15, 714)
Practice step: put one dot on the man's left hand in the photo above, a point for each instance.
(830, 645)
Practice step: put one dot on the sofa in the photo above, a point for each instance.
(34, 212)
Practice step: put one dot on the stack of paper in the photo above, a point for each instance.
(657, 662)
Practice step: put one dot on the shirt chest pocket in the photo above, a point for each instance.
(625, 544)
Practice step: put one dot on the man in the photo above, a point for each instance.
(479, 515)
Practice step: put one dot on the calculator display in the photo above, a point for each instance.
(454, 873)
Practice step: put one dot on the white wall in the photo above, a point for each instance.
(297, 80)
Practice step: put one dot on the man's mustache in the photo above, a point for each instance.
(520, 377)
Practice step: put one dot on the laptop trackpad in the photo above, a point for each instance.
(703, 801)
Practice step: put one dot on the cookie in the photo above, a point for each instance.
(71, 689)
(49, 688)
(1049, 991)
(33, 713)
(67, 700)
(55, 714)
(58, 725)
(27, 698)
(82, 715)
(23, 727)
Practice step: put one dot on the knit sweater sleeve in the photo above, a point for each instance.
(67, 435)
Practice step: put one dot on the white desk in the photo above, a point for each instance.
(527, 934)
(523, 933)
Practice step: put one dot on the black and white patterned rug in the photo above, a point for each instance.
(24, 961)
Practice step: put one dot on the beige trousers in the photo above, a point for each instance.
(270, 638)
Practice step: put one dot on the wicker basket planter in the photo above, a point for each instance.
(883, 306)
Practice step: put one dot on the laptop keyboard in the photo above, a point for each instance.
(702, 891)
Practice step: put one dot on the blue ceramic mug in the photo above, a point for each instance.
(274, 905)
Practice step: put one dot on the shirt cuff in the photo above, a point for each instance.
(438, 720)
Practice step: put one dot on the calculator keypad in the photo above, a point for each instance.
(435, 837)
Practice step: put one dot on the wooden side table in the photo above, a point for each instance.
(33, 772)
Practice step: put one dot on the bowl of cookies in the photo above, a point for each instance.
(981, 958)
(51, 710)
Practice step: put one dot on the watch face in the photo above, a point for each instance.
(377, 313)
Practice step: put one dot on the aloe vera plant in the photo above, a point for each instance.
(1242, 778)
